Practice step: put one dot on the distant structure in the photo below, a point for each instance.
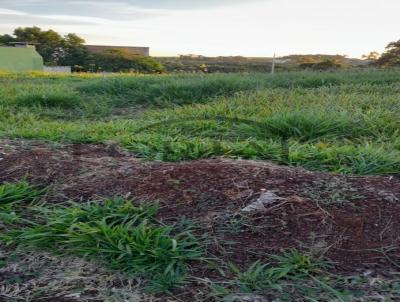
(144, 51)
(191, 56)
(20, 57)
(58, 69)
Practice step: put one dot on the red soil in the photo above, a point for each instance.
(362, 232)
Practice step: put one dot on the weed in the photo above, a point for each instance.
(20, 192)
(289, 276)
(236, 223)
(122, 236)
(289, 265)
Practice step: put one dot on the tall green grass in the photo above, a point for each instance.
(184, 89)
(21, 192)
(347, 122)
(116, 233)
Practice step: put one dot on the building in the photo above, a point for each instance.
(191, 56)
(58, 69)
(144, 51)
(22, 57)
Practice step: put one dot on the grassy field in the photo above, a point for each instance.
(82, 228)
(338, 121)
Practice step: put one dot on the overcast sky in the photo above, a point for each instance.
(217, 27)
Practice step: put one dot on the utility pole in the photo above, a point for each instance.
(273, 65)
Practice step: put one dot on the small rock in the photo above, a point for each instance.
(367, 273)
(246, 298)
(266, 199)
(73, 295)
(388, 196)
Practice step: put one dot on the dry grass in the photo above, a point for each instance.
(40, 276)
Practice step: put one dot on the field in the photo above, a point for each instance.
(134, 187)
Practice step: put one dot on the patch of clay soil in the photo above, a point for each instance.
(360, 231)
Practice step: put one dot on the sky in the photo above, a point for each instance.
(255, 28)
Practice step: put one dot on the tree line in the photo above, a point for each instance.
(69, 50)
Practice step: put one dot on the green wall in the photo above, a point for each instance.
(20, 59)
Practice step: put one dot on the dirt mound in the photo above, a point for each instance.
(354, 221)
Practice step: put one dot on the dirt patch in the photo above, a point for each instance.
(354, 221)
(42, 277)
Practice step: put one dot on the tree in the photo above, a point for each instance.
(372, 56)
(122, 60)
(69, 50)
(47, 41)
(54, 48)
(72, 51)
(323, 63)
(5, 39)
(391, 57)
(319, 62)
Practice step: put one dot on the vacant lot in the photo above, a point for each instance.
(340, 122)
(136, 188)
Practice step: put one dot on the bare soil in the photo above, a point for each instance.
(353, 221)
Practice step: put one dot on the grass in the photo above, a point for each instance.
(142, 253)
(33, 275)
(286, 277)
(14, 198)
(346, 122)
(121, 236)
(21, 192)
(294, 276)
(56, 99)
(332, 192)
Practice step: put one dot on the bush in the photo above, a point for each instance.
(121, 60)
